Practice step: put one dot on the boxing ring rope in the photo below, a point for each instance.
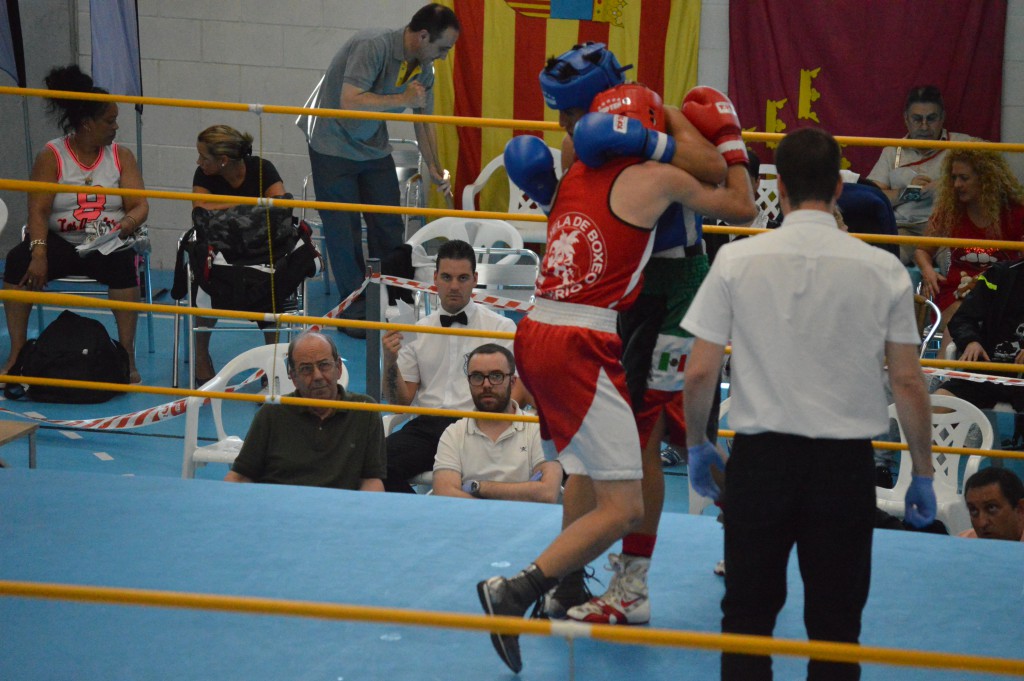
(569, 630)
(732, 643)
(73, 300)
(259, 109)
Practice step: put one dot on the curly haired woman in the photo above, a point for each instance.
(979, 199)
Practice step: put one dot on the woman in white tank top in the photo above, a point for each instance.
(85, 156)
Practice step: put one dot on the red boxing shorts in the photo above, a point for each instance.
(568, 356)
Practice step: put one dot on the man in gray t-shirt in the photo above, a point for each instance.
(380, 70)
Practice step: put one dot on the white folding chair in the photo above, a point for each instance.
(929, 317)
(496, 238)
(950, 428)
(515, 280)
(767, 198)
(272, 360)
(518, 201)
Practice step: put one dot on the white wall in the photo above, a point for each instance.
(273, 52)
(1013, 83)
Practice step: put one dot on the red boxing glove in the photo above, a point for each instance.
(714, 116)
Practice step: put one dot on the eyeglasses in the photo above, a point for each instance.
(494, 378)
(323, 367)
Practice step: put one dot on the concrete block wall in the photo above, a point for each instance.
(1013, 83)
(250, 51)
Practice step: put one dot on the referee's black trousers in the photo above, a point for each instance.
(819, 494)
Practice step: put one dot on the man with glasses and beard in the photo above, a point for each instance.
(494, 459)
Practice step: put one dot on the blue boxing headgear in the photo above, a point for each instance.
(572, 80)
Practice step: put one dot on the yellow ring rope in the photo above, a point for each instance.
(475, 122)
(733, 643)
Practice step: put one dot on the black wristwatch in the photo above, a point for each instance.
(474, 488)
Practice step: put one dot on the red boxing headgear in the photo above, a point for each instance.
(632, 100)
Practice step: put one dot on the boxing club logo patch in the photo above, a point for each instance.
(576, 256)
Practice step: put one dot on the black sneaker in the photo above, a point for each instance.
(498, 598)
(569, 593)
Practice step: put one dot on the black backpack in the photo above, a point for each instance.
(76, 348)
(240, 235)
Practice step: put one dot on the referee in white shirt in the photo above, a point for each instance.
(813, 316)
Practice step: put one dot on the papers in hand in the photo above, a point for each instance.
(105, 244)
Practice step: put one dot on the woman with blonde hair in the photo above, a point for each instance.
(979, 198)
(226, 166)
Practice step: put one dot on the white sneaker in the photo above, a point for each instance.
(626, 600)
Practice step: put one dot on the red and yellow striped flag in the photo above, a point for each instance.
(504, 44)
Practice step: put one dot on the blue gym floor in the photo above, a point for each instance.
(109, 508)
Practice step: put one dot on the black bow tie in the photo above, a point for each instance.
(449, 319)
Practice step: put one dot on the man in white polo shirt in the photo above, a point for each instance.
(813, 315)
(490, 459)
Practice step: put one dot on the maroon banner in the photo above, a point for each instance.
(847, 65)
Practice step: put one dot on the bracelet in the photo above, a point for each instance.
(36, 242)
(133, 219)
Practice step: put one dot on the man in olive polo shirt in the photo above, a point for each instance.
(314, 446)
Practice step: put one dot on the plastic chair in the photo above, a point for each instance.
(87, 286)
(929, 316)
(767, 198)
(496, 242)
(269, 358)
(518, 201)
(697, 502)
(478, 232)
(516, 280)
(950, 428)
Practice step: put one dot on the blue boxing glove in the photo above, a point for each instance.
(531, 167)
(600, 137)
(700, 460)
(919, 504)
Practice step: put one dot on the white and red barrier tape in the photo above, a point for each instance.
(977, 378)
(136, 419)
(388, 280)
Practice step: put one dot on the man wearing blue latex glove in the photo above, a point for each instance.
(700, 460)
(920, 505)
(807, 396)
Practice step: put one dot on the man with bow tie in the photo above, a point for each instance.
(428, 371)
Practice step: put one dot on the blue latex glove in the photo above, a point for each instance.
(701, 459)
(919, 506)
